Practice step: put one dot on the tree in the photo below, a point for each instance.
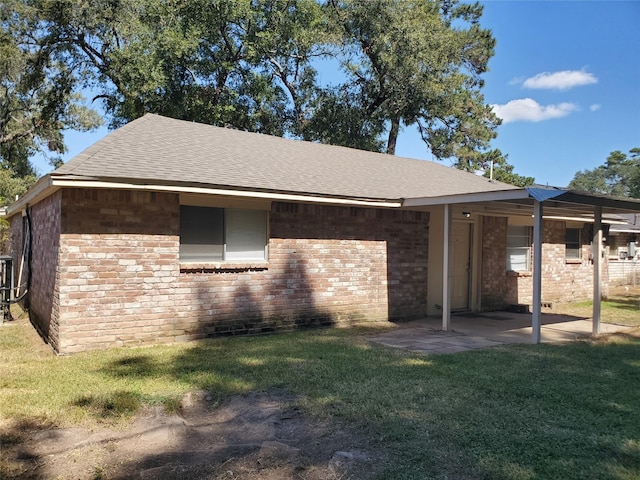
(619, 176)
(253, 66)
(37, 100)
(503, 172)
(236, 63)
(419, 63)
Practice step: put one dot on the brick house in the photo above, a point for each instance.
(168, 231)
(623, 249)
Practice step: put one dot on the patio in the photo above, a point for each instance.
(472, 331)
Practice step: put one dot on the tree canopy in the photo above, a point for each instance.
(618, 176)
(251, 65)
(38, 98)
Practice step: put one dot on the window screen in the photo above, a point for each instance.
(518, 248)
(245, 234)
(215, 234)
(201, 234)
(572, 243)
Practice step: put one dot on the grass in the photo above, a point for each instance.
(515, 412)
(622, 307)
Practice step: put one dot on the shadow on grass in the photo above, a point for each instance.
(624, 304)
(554, 412)
(116, 404)
(511, 412)
(133, 366)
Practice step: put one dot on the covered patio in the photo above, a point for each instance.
(474, 331)
(538, 203)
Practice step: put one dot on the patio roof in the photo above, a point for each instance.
(537, 202)
(558, 202)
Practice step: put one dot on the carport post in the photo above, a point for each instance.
(446, 257)
(537, 271)
(596, 250)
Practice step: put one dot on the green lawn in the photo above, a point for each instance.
(515, 412)
(622, 307)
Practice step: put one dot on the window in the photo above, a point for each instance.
(222, 234)
(572, 244)
(518, 248)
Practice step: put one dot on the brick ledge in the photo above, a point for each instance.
(223, 267)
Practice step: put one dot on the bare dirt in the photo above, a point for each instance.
(257, 436)
(632, 291)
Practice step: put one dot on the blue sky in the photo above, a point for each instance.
(565, 78)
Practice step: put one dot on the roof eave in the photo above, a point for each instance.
(39, 191)
(493, 196)
(71, 181)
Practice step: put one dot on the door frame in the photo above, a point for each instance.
(470, 264)
(434, 272)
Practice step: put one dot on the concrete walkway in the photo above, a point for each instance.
(473, 331)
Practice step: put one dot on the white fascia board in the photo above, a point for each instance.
(42, 189)
(67, 182)
(496, 196)
(623, 230)
(584, 220)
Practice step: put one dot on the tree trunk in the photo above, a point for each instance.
(393, 136)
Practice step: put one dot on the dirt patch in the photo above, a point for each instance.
(626, 291)
(257, 436)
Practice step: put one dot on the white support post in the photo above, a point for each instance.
(597, 268)
(537, 272)
(446, 261)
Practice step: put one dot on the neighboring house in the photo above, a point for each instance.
(168, 230)
(623, 243)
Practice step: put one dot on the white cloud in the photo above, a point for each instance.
(528, 110)
(563, 80)
(595, 107)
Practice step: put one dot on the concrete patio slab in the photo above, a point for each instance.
(472, 331)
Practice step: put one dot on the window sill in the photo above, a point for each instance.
(512, 273)
(573, 261)
(223, 267)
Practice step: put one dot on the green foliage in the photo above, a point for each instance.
(618, 176)
(419, 63)
(503, 172)
(12, 185)
(252, 66)
(37, 99)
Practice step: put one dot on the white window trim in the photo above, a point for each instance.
(579, 249)
(228, 258)
(528, 249)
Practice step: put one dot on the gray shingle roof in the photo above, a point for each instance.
(155, 149)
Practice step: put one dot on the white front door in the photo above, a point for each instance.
(461, 234)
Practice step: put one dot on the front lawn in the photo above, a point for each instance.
(515, 412)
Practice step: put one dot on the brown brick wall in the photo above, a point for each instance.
(42, 301)
(118, 265)
(356, 256)
(121, 281)
(494, 285)
(562, 280)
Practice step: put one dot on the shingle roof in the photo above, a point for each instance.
(156, 149)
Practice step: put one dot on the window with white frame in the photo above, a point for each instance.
(572, 244)
(518, 248)
(210, 234)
